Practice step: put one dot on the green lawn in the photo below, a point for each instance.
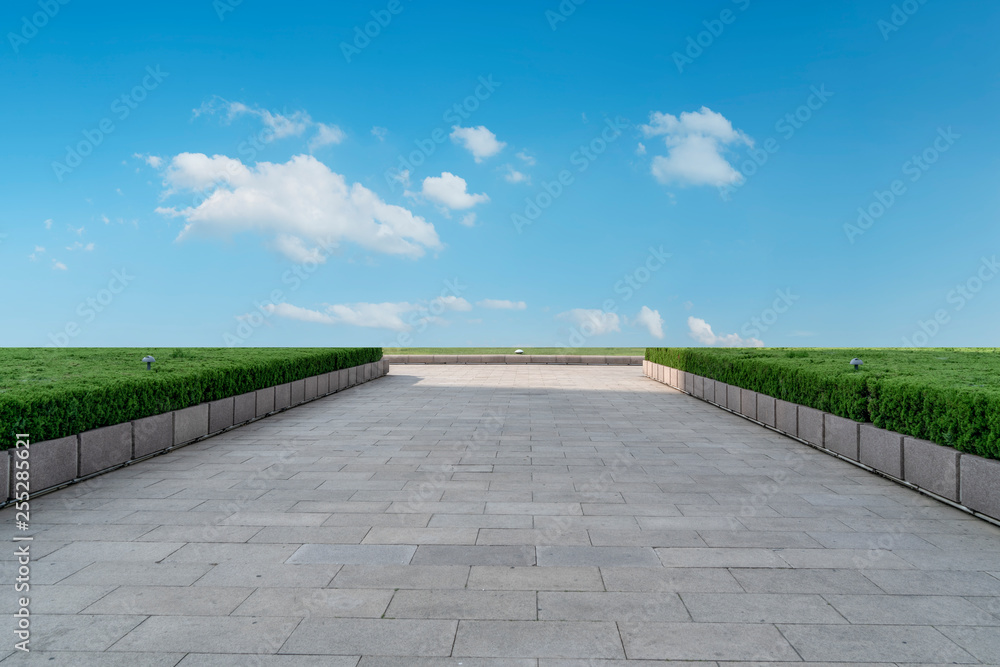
(588, 351)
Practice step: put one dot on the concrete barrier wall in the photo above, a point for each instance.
(512, 359)
(55, 463)
(970, 481)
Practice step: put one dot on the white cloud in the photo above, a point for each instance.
(651, 320)
(375, 315)
(477, 140)
(527, 158)
(702, 332)
(695, 144)
(688, 305)
(502, 304)
(514, 176)
(80, 246)
(450, 303)
(326, 135)
(591, 322)
(39, 250)
(48, 223)
(78, 231)
(380, 132)
(154, 161)
(469, 220)
(640, 149)
(299, 199)
(58, 266)
(451, 191)
(295, 249)
(279, 126)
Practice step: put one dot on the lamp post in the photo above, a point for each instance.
(149, 362)
(856, 363)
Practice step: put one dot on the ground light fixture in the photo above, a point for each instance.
(518, 351)
(149, 361)
(856, 363)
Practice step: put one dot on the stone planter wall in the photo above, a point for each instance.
(970, 481)
(512, 359)
(55, 463)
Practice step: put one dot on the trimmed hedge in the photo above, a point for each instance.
(180, 378)
(952, 400)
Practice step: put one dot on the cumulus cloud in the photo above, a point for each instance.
(375, 315)
(651, 320)
(39, 250)
(86, 247)
(58, 266)
(380, 133)
(451, 191)
(526, 158)
(502, 304)
(301, 203)
(48, 223)
(696, 142)
(278, 126)
(469, 220)
(154, 161)
(591, 322)
(477, 140)
(515, 176)
(326, 135)
(640, 149)
(702, 332)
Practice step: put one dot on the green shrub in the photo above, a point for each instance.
(947, 395)
(52, 393)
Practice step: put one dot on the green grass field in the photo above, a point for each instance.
(589, 351)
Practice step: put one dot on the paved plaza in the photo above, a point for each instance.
(550, 516)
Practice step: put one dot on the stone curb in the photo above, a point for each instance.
(63, 461)
(452, 359)
(966, 480)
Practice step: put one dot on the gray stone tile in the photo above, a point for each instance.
(596, 556)
(281, 575)
(93, 659)
(170, 601)
(387, 637)
(924, 582)
(535, 578)
(322, 602)
(670, 580)
(710, 641)
(222, 660)
(477, 555)
(910, 610)
(402, 576)
(541, 639)
(353, 554)
(216, 634)
(65, 599)
(79, 632)
(136, 574)
(389, 535)
(611, 606)
(804, 581)
(759, 608)
(982, 643)
(873, 643)
(464, 604)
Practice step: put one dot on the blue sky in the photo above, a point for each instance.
(720, 173)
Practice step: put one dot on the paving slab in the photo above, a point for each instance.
(480, 515)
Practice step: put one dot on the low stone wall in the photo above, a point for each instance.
(970, 481)
(55, 463)
(512, 359)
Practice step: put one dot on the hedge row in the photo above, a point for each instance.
(940, 409)
(55, 412)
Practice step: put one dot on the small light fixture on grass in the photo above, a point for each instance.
(856, 363)
(518, 351)
(149, 362)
